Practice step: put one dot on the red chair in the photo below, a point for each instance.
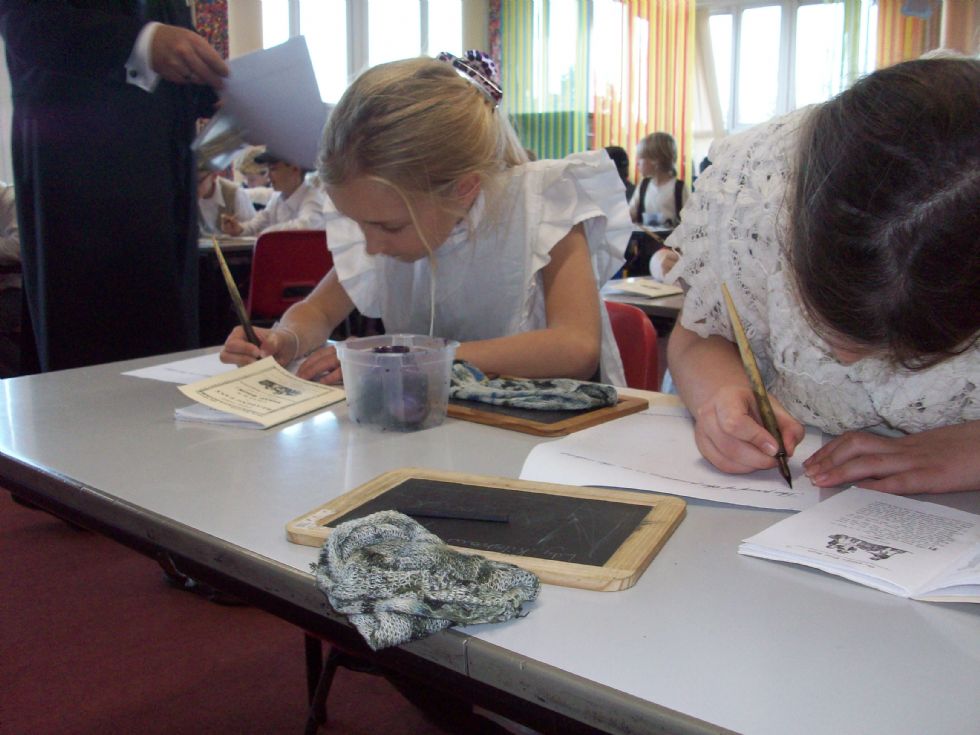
(637, 341)
(286, 265)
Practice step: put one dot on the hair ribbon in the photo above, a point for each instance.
(478, 69)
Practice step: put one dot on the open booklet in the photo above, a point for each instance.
(906, 547)
(259, 395)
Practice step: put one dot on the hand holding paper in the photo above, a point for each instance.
(270, 98)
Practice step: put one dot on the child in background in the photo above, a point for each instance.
(448, 230)
(217, 197)
(849, 237)
(254, 177)
(296, 205)
(660, 195)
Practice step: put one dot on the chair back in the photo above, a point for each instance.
(637, 342)
(286, 266)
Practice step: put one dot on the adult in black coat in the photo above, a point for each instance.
(105, 175)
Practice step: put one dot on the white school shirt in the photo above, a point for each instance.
(659, 199)
(488, 272)
(210, 207)
(302, 210)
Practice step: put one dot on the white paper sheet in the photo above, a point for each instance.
(184, 371)
(271, 98)
(654, 450)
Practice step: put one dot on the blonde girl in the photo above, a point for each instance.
(443, 227)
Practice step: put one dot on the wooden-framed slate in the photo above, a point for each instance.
(543, 423)
(586, 537)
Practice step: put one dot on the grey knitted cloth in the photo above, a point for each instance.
(397, 582)
(469, 383)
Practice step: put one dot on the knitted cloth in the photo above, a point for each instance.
(551, 394)
(396, 582)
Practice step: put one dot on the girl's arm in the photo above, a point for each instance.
(709, 375)
(934, 461)
(569, 346)
(305, 326)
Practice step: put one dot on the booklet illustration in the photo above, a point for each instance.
(263, 394)
(906, 547)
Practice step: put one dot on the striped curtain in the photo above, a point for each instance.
(544, 55)
(644, 81)
(902, 37)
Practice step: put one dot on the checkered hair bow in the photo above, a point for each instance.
(479, 69)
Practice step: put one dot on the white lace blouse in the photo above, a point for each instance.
(488, 272)
(732, 231)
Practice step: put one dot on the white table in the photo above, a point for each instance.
(706, 641)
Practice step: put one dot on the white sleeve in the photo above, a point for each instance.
(244, 211)
(138, 69)
(309, 216)
(261, 221)
(657, 264)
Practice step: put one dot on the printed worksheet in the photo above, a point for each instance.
(900, 545)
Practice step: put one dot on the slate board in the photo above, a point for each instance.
(543, 423)
(592, 538)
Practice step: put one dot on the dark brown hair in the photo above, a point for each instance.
(884, 237)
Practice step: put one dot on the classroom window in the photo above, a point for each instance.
(347, 36)
(758, 65)
(394, 30)
(771, 58)
(445, 25)
(324, 24)
(818, 48)
(275, 22)
(720, 27)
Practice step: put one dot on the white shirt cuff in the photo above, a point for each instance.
(657, 264)
(138, 70)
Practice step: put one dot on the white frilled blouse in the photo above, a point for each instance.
(732, 230)
(488, 272)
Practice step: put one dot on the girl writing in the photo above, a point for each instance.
(444, 228)
(849, 237)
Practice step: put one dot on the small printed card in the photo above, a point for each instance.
(644, 287)
(264, 393)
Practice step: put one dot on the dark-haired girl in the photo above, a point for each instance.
(849, 237)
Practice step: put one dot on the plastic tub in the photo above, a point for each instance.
(397, 382)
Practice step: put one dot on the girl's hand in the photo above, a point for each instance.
(730, 435)
(239, 351)
(230, 225)
(322, 366)
(934, 461)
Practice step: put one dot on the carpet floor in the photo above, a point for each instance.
(93, 641)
